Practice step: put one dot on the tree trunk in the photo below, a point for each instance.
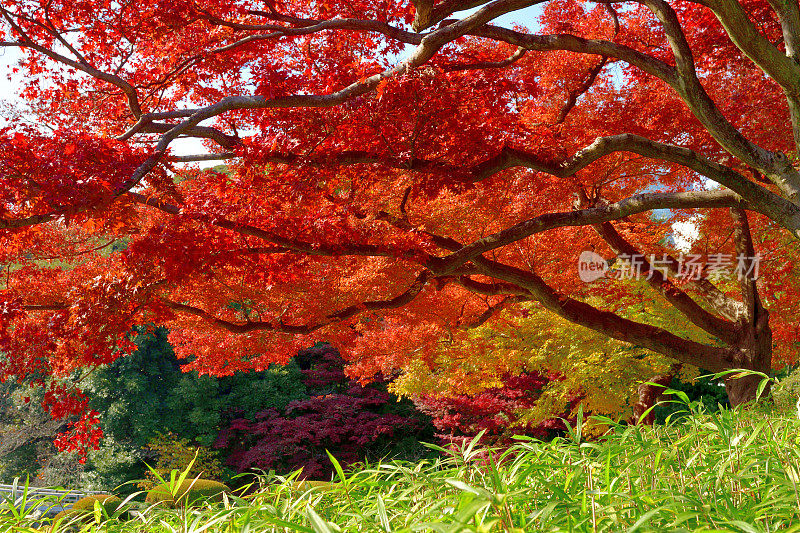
(757, 357)
(742, 390)
(755, 336)
(649, 393)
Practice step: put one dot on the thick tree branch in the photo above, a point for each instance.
(789, 14)
(747, 256)
(651, 337)
(46, 307)
(775, 165)
(610, 324)
(200, 132)
(369, 250)
(493, 289)
(746, 36)
(400, 300)
(17, 223)
(757, 197)
(428, 13)
(723, 304)
(719, 327)
(787, 73)
(586, 217)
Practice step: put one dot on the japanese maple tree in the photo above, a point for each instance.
(394, 172)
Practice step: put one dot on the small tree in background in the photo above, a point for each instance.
(175, 453)
(527, 369)
(145, 396)
(26, 432)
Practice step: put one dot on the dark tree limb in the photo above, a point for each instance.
(719, 327)
(400, 300)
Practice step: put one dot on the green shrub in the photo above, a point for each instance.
(83, 509)
(785, 394)
(191, 492)
(109, 502)
(68, 515)
(176, 453)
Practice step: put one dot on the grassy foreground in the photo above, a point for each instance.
(723, 472)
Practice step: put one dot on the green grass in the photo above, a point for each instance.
(722, 472)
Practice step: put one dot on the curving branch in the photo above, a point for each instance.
(719, 327)
(781, 67)
(400, 300)
(510, 280)
(778, 65)
(33, 220)
(754, 312)
(80, 64)
(518, 54)
(789, 16)
(202, 157)
(586, 217)
(774, 164)
(242, 328)
(758, 197)
(428, 13)
(651, 337)
(369, 250)
(682, 79)
(574, 94)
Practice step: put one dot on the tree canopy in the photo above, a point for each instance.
(395, 173)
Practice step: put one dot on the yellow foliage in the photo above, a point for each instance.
(602, 372)
(173, 453)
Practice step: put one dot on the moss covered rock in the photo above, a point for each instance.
(71, 515)
(83, 510)
(191, 492)
(109, 502)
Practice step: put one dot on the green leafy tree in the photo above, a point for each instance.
(145, 395)
(131, 393)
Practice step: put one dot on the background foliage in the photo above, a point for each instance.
(353, 422)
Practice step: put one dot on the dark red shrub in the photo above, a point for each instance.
(351, 421)
(496, 411)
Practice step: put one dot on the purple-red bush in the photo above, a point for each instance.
(495, 411)
(353, 422)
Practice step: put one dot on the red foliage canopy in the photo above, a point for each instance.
(395, 171)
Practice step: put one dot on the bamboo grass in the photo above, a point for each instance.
(728, 471)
